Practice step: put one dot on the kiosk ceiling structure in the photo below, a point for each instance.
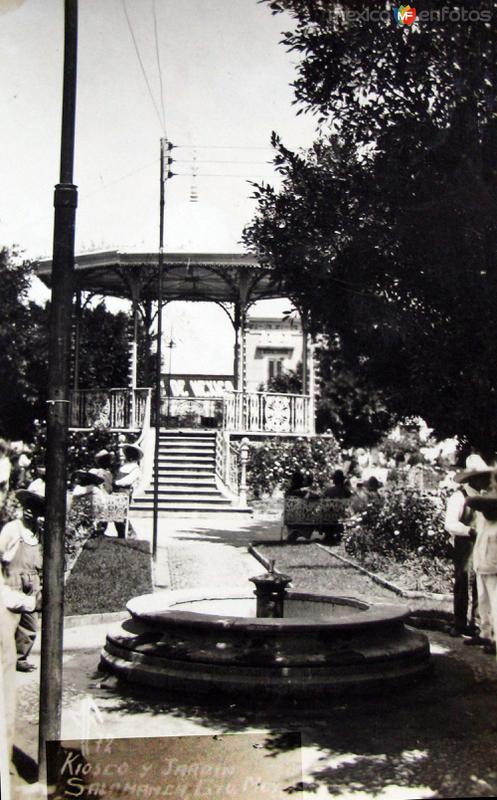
(221, 278)
(228, 279)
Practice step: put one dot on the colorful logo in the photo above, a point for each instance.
(404, 15)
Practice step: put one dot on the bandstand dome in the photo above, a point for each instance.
(217, 277)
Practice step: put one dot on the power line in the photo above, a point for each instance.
(222, 147)
(157, 53)
(213, 161)
(137, 51)
(215, 175)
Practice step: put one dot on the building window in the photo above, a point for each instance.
(275, 367)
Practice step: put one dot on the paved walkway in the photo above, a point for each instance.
(437, 739)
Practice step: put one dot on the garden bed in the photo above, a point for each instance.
(313, 569)
(415, 574)
(107, 573)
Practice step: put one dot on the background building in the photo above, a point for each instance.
(274, 345)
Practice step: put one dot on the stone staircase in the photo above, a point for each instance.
(187, 477)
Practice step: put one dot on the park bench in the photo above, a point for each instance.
(100, 508)
(302, 516)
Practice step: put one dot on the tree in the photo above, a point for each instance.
(23, 349)
(103, 348)
(384, 232)
(24, 331)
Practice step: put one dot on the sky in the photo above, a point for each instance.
(225, 86)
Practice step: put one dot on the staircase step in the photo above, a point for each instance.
(183, 469)
(193, 479)
(202, 457)
(189, 497)
(185, 503)
(190, 437)
(187, 452)
(193, 491)
(187, 511)
(186, 477)
(176, 442)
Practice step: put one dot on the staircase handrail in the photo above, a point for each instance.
(227, 466)
(146, 441)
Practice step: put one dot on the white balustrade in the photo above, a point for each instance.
(267, 412)
(109, 408)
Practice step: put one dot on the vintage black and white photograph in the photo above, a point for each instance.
(248, 399)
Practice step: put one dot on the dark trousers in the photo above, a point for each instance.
(464, 583)
(26, 634)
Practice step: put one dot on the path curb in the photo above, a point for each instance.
(407, 594)
(78, 620)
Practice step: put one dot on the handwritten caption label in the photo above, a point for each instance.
(222, 766)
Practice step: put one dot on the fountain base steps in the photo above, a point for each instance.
(191, 642)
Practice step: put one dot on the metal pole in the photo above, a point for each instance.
(65, 202)
(163, 144)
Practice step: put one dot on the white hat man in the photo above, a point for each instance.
(484, 508)
(460, 525)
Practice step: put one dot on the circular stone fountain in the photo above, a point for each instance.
(208, 641)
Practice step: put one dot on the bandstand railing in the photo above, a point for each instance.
(110, 408)
(227, 462)
(242, 412)
(267, 412)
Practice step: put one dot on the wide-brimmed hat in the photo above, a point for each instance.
(101, 454)
(87, 478)
(35, 502)
(475, 465)
(133, 450)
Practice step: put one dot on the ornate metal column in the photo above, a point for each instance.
(243, 295)
(135, 286)
(305, 361)
(236, 350)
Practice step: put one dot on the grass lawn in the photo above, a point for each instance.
(107, 573)
(314, 570)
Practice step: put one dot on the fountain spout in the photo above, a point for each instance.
(270, 591)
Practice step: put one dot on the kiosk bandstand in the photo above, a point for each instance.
(232, 281)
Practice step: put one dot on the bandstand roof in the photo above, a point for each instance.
(218, 277)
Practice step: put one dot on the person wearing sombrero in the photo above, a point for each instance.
(103, 467)
(21, 558)
(484, 508)
(128, 477)
(460, 524)
(87, 497)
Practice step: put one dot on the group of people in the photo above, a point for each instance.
(360, 493)
(21, 532)
(471, 521)
(91, 487)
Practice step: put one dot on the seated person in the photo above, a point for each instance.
(87, 497)
(340, 489)
(365, 493)
(128, 478)
(103, 468)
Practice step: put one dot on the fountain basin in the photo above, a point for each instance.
(205, 641)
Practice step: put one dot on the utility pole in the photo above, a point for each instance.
(65, 203)
(163, 146)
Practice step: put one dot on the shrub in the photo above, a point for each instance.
(403, 522)
(272, 463)
(82, 446)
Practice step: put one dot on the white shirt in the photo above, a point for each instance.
(453, 513)
(10, 536)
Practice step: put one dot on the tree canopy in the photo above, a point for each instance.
(384, 232)
(24, 327)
